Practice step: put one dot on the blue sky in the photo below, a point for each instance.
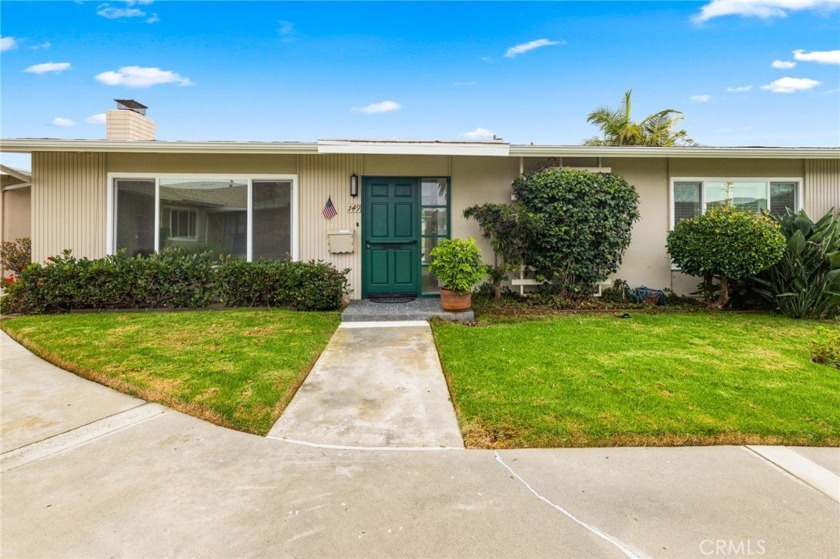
(528, 72)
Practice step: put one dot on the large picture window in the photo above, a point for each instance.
(246, 218)
(692, 197)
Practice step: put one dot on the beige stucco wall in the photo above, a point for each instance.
(16, 207)
(69, 197)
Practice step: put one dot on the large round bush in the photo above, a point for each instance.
(583, 222)
(726, 243)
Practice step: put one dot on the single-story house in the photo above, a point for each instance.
(391, 201)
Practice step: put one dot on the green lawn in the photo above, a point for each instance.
(236, 368)
(651, 379)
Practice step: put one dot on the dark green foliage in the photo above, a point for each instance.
(826, 349)
(582, 223)
(16, 255)
(509, 229)
(171, 278)
(303, 286)
(805, 283)
(726, 243)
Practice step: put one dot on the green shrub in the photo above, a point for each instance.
(583, 219)
(509, 229)
(305, 286)
(171, 278)
(805, 283)
(826, 348)
(726, 243)
(457, 264)
(16, 255)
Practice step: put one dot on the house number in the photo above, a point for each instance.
(354, 208)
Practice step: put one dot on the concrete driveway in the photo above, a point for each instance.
(141, 480)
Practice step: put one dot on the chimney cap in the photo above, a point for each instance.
(131, 105)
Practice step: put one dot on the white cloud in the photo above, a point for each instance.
(381, 107)
(479, 134)
(8, 43)
(98, 118)
(739, 89)
(783, 64)
(140, 76)
(48, 67)
(44, 45)
(129, 10)
(790, 85)
(763, 9)
(522, 48)
(62, 122)
(818, 56)
(700, 98)
(110, 12)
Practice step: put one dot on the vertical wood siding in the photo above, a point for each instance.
(822, 187)
(322, 176)
(69, 202)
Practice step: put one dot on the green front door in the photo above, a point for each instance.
(391, 236)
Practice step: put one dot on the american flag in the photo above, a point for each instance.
(329, 211)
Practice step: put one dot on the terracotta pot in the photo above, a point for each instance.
(455, 302)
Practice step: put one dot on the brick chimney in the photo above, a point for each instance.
(129, 123)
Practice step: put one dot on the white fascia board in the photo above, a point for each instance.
(415, 148)
(112, 146)
(676, 152)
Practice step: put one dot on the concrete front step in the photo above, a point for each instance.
(419, 309)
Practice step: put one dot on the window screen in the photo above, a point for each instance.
(687, 201)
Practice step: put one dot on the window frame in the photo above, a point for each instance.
(703, 180)
(193, 217)
(113, 177)
(447, 206)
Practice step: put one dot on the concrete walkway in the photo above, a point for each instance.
(376, 385)
(146, 481)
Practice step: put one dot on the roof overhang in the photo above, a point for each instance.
(17, 173)
(26, 145)
(412, 147)
(697, 152)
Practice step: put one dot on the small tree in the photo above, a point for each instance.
(582, 223)
(726, 243)
(508, 228)
(16, 255)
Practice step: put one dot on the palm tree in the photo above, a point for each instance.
(655, 130)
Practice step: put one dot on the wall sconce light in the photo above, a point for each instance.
(354, 185)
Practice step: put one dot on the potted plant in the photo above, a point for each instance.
(458, 267)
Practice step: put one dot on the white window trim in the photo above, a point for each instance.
(110, 221)
(190, 211)
(703, 180)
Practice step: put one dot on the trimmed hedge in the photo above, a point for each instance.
(306, 286)
(171, 278)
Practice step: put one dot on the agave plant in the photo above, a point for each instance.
(805, 283)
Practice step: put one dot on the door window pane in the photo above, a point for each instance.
(429, 283)
(744, 195)
(434, 221)
(434, 191)
(686, 200)
(135, 216)
(427, 244)
(218, 210)
(272, 230)
(782, 196)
